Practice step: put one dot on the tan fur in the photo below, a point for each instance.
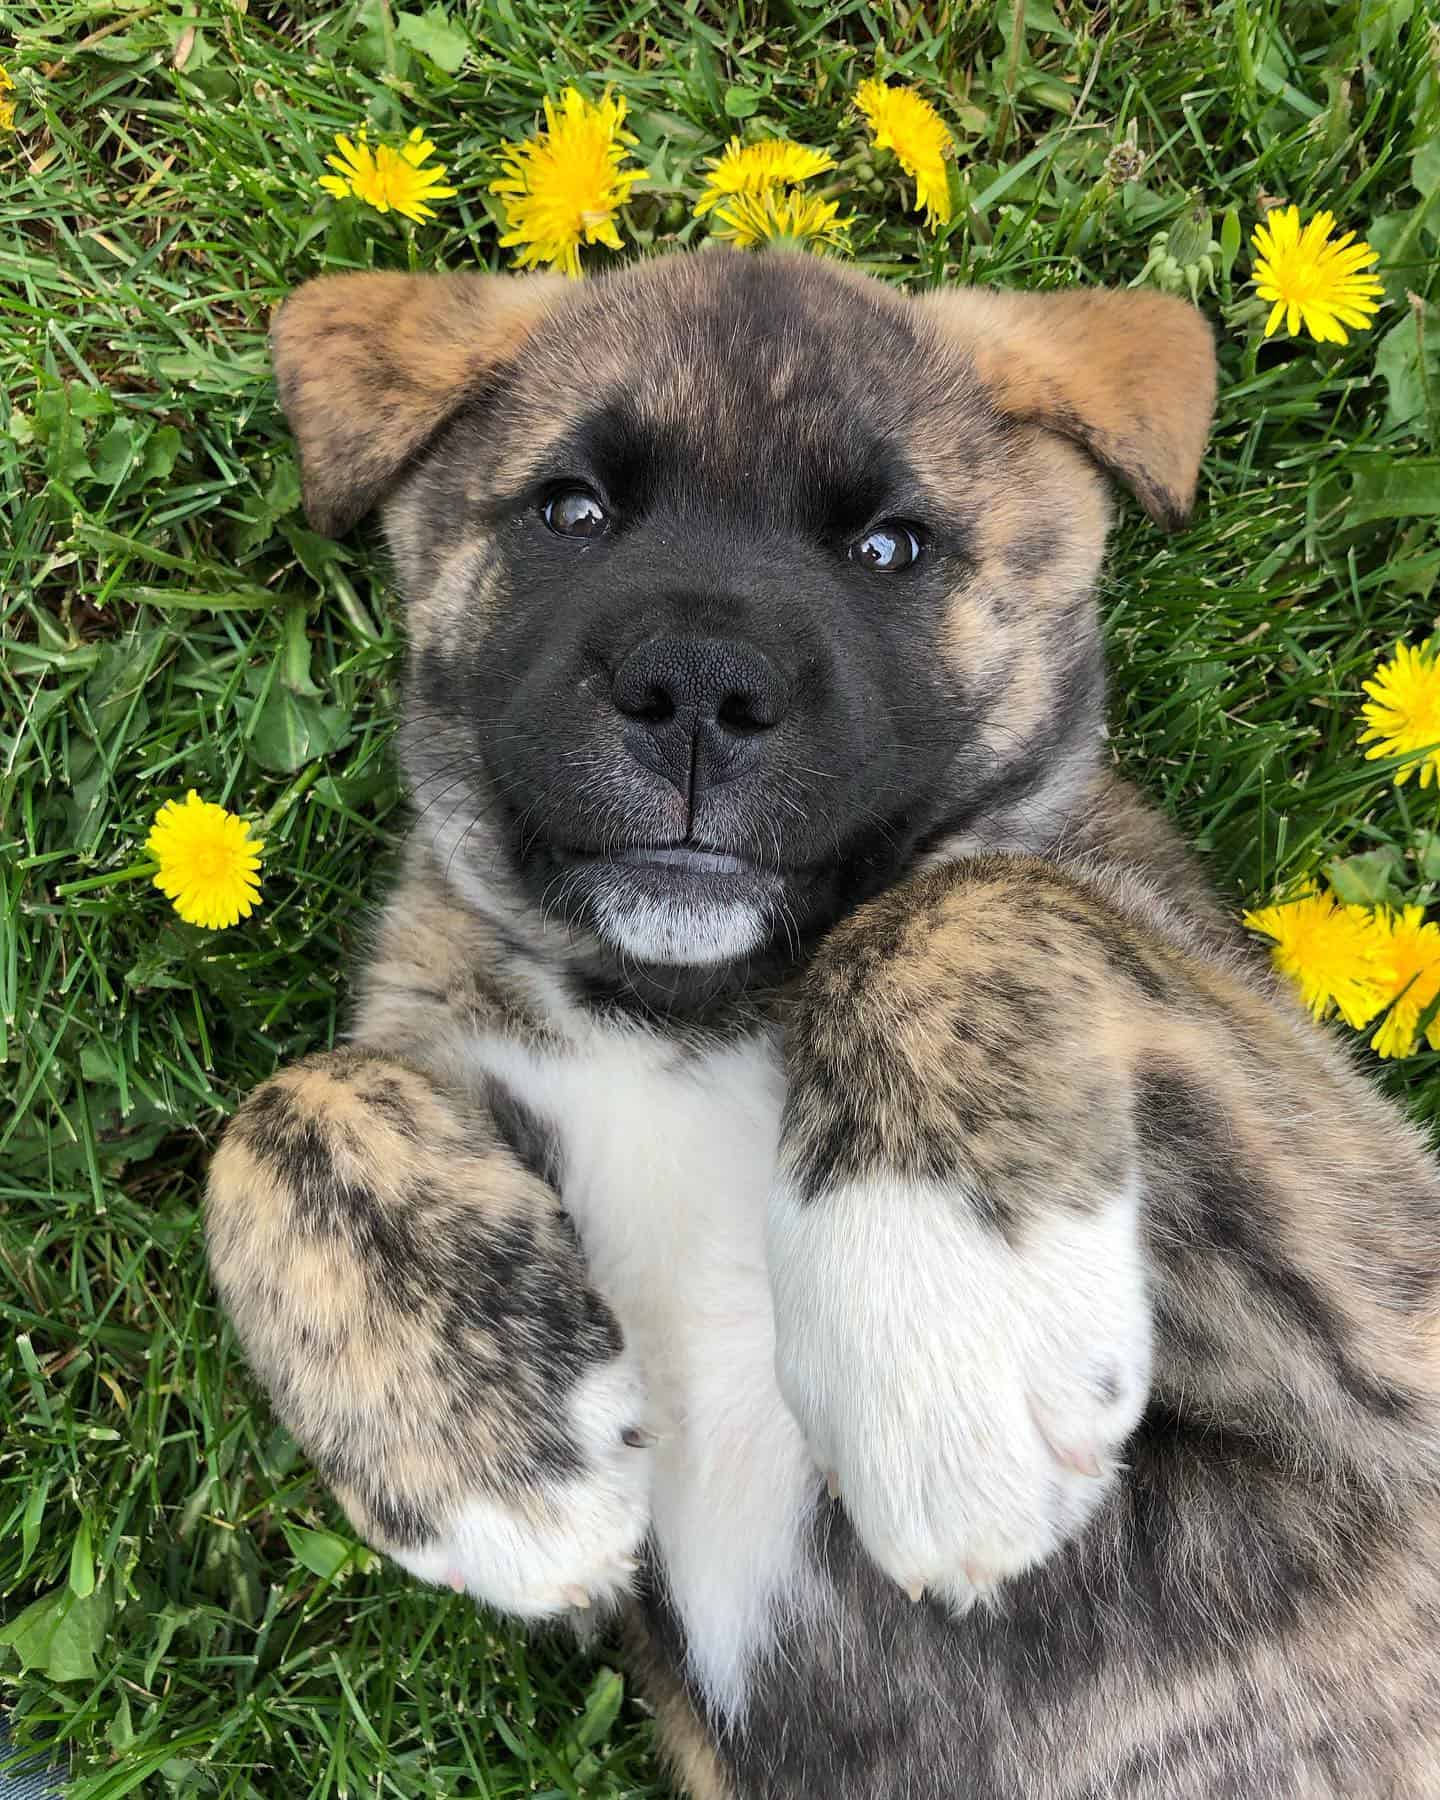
(1129, 376)
(370, 366)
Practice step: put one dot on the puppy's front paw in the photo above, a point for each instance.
(565, 1543)
(968, 1396)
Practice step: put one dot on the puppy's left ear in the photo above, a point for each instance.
(1128, 375)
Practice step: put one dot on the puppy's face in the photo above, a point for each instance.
(736, 583)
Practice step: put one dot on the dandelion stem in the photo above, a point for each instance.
(112, 879)
(306, 778)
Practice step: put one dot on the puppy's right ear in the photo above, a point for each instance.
(369, 367)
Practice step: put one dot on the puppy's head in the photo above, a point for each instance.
(737, 583)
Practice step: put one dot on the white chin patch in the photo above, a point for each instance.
(693, 933)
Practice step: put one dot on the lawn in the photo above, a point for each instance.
(184, 1606)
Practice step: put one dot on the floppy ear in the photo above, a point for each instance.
(1127, 375)
(369, 367)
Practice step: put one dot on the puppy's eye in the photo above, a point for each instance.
(888, 547)
(575, 512)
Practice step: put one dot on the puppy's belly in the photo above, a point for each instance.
(668, 1160)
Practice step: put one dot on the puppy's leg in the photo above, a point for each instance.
(414, 1299)
(963, 1328)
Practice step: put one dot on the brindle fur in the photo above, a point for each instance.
(1038, 993)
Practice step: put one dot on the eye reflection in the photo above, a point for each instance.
(886, 548)
(575, 512)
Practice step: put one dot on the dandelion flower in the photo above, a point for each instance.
(563, 188)
(1412, 949)
(209, 863)
(755, 168)
(7, 106)
(389, 180)
(905, 122)
(1403, 712)
(1313, 282)
(1336, 955)
(787, 217)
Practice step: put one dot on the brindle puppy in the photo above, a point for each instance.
(810, 1155)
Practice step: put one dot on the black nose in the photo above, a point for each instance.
(697, 709)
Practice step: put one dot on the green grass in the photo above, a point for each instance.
(205, 1624)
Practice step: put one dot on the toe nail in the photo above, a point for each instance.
(576, 1597)
(1083, 1462)
(832, 1484)
(454, 1579)
(628, 1564)
(916, 1590)
(638, 1437)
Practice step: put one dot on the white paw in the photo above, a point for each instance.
(967, 1399)
(565, 1545)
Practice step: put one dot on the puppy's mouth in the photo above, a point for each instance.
(673, 904)
(686, 861)
(674, 868)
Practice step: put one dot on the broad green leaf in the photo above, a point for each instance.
(322, 1552)
(1425, 168)
(60, 1634)
(1396, 490)
(161, 453)
(315, 553)
(602, 1707)
(1363, 880)
(293, 730)
(1427, 854)
(1402, 241)
(742, 102)
(433, 35)
(1397, 361)
(115, 452)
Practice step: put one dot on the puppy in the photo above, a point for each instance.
(812, 1167)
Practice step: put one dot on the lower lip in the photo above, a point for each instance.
(688, 862)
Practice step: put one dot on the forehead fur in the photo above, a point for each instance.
(722, 357)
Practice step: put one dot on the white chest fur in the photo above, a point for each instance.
(669, 1159)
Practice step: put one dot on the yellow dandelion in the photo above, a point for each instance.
(1412, 949)
(1321, 285)
(1403, 711)
(1336, 955)
(904, 121)
(755, 168)
(786, 217)
(209, 863)
(389, 180)
(7, 106)
(563, 188)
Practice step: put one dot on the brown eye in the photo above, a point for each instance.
(574, 512)
(888, 547)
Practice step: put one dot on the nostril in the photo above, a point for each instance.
(742, 713)
(657, 707)
(647, 702)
